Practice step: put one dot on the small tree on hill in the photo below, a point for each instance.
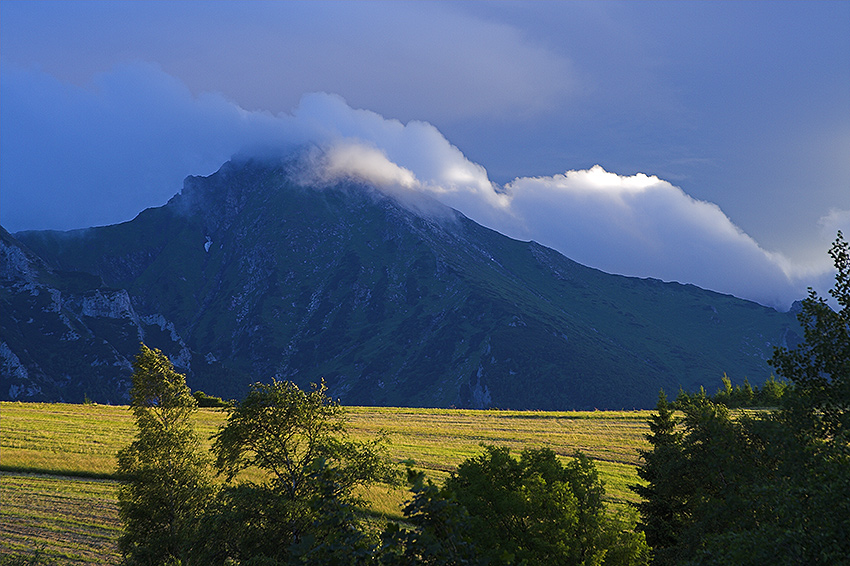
(166, 483)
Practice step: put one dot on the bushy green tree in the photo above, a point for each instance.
(307, 508)
(811, 498)
(205, 400)
(438, 530)
(756, 494)
(769, 395)
(165, 475)
(497, 509)
(701, 474)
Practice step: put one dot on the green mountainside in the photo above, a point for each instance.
(254, 276)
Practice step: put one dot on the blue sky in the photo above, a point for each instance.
(721, 129)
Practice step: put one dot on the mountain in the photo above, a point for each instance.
(247, 274)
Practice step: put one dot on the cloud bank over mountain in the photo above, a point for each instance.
(78, 156)
(635, 225)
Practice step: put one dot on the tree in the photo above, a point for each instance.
(439, 530)
(662, 507)
(815, 416)
(702, 475)
(770, 394)
(307, 507)
(534, 510)
(819, 367)
(165, 476)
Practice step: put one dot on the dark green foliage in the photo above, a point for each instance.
(494, 510)
(764, 489)
(663, 504)
(534, 507)
(299, 438)
(770, 395)
(254, 524)
(166, 484)
(499, 510)
(440, 531)
(817, 416)
(307, 509)
(754, 494)
(737, 396)
(700, 473)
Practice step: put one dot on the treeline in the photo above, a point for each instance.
(766, 487)
(769, 396)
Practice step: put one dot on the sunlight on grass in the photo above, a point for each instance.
(83, 440)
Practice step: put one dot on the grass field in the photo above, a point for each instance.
(67, 520)
(58, 492)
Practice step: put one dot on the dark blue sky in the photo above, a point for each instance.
(741, 109)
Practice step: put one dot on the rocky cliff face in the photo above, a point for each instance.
(65, 335)
(247, 275)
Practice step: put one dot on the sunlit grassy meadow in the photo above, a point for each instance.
(67, 520)
(58, 490)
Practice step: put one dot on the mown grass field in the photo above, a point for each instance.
(58, 493)
(69, 520)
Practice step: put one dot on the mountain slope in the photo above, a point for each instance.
(404, 304)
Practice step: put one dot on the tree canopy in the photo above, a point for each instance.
(535, 510)
(306, 508)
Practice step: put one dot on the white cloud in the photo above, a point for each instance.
(365, 163)
(643, 226)
(636, 225)
(329, 120)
